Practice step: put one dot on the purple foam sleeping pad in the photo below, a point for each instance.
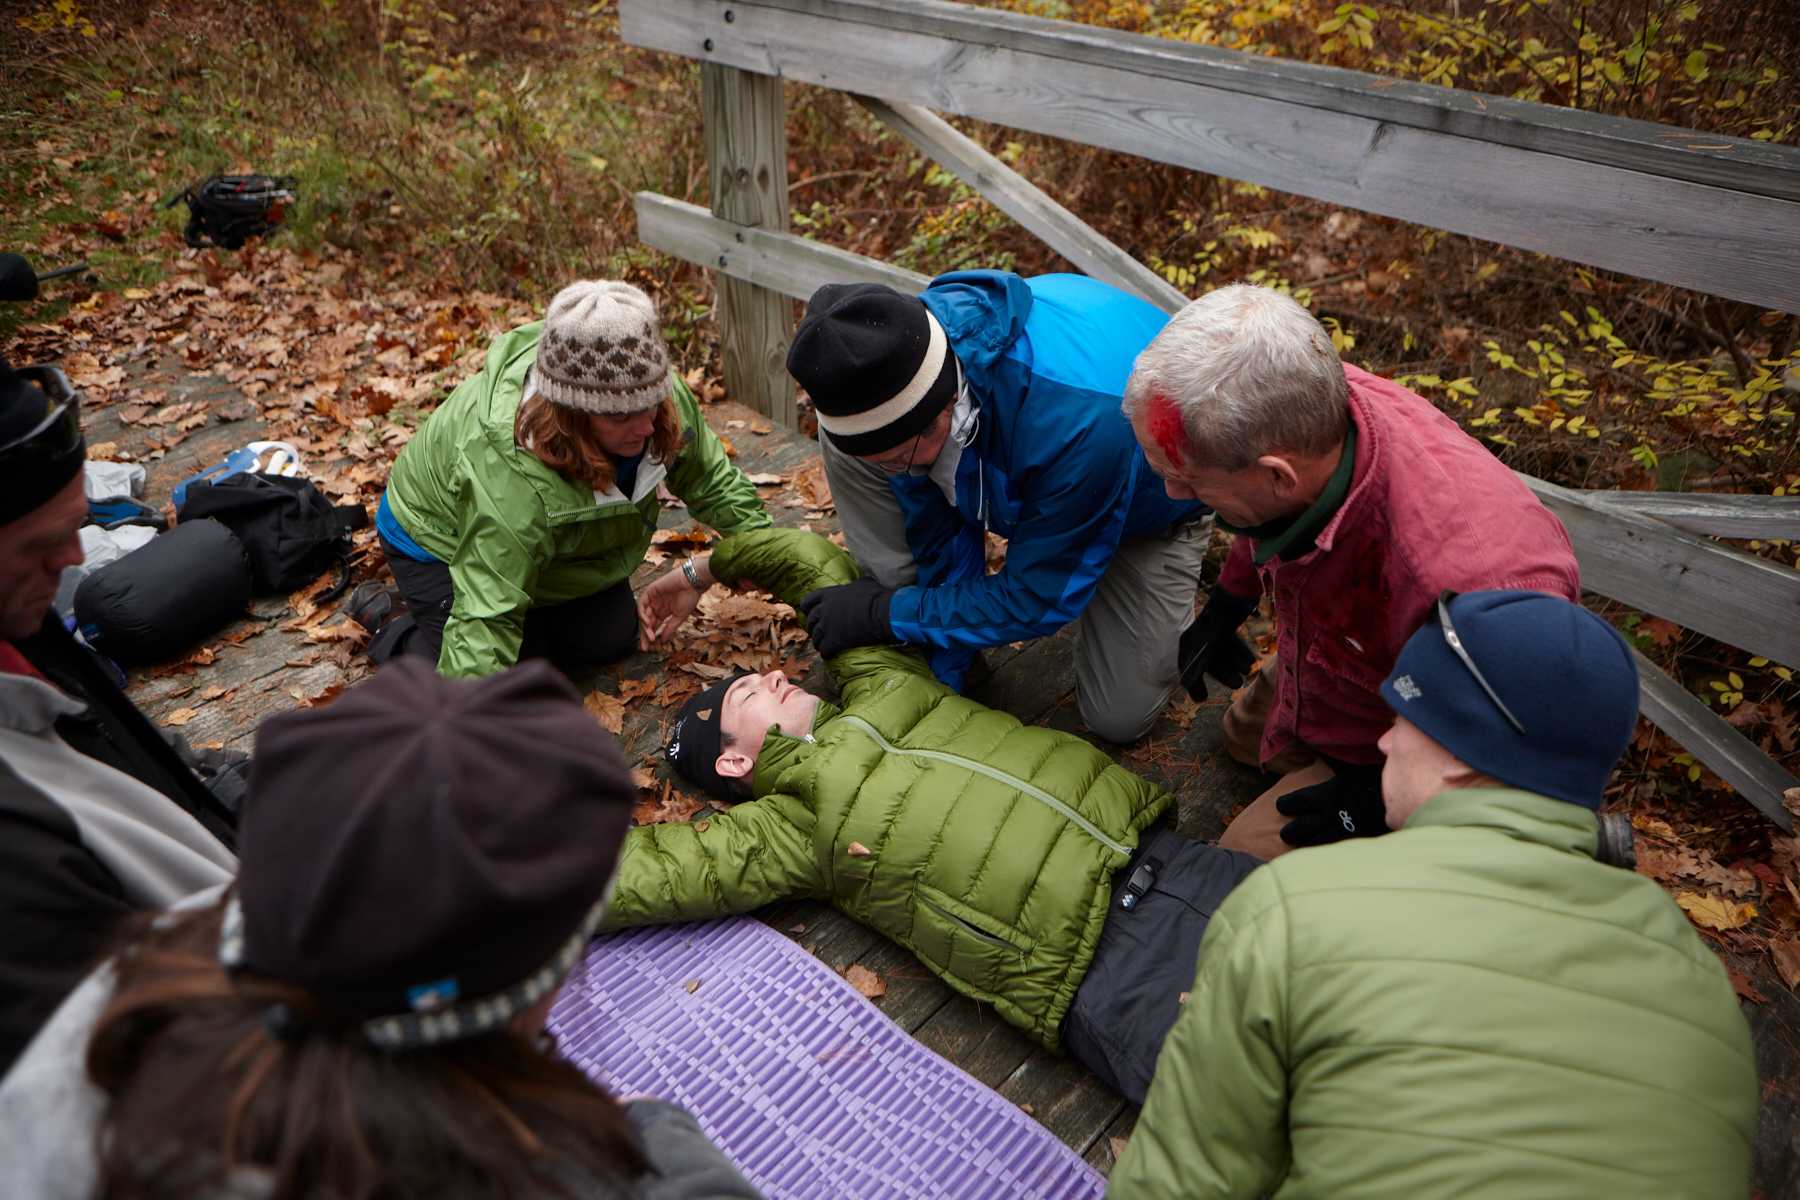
(804, 1084)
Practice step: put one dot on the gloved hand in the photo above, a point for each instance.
(1211, 645)
(847, 615)
(1345, 806)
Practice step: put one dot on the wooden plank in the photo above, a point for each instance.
(1024, 202)
(1100, 1155)
(746, 150)
(975, 1038)
(781, 262)
(1749, 602)
(914, 995)
(1706, 735)
(1064, 1097)
(1738, 163)
(1124, 92)
(1713, 514)
(1032, 682)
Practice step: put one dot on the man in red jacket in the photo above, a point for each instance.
(1356, 504)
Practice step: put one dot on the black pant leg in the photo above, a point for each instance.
(582, 634)
(426, 588)
(1131, 995)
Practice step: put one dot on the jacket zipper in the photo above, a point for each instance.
(994, 773)
(974, 931)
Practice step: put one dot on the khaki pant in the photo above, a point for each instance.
(1126, 638)
(1257, 830)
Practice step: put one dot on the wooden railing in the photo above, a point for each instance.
(1716, 214)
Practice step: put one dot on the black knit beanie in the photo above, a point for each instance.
(38, 469)
(876, 364)
(697, 739)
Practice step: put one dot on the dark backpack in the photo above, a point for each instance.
(227, 210)
(289, 529)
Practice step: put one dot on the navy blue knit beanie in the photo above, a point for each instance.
(1565, 674)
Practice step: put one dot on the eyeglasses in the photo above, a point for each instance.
(1456, 647)
(900, 466)
(59, 433)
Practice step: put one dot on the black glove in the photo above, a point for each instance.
(848, 615)
(1345, 806)
(1211, 645)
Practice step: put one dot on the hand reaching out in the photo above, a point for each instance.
(667, 603)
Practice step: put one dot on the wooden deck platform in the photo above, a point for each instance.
(274, 659)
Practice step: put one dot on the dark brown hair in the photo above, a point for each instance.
(563, 439)
(198, 1085)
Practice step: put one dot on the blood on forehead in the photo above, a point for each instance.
(1163, 419)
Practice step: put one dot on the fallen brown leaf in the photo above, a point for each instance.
(634, 689)
(1117, 1146)
(692, 986)
(608, 710)
(181, 716)
(672, 807)
(1740, 983)
(1714, 912)
(858, 850)
(1785, 950)
(865, 981)
(345, 630)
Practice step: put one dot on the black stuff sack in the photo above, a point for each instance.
(169, 593)
(289, 529)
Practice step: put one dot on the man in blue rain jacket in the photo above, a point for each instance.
(991, 402)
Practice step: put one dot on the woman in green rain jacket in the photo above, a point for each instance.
(514, 518)
(1019, 863)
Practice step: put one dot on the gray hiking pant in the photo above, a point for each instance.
(1125, 640)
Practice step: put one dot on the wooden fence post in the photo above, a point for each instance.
(746, 152)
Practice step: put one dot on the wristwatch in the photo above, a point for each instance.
(692, 576)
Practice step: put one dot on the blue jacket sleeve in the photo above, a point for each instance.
(947, 550)
(1073, 519)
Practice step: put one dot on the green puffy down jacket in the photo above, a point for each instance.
(517, 534)
(1470, 1007)
(991, 844)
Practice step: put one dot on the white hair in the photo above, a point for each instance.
(1251, 372)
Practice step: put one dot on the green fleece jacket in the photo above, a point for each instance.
(1469, 1007)
(517, 534)
(984, 846)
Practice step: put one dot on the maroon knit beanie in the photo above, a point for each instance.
(426, 854)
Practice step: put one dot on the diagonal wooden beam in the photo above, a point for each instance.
(1721, 748)
(1024, 202)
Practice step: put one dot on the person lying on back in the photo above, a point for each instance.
(1022, 865)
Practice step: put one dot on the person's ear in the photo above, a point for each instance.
(733, 764)
(1283, 480)
(1458, 774)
